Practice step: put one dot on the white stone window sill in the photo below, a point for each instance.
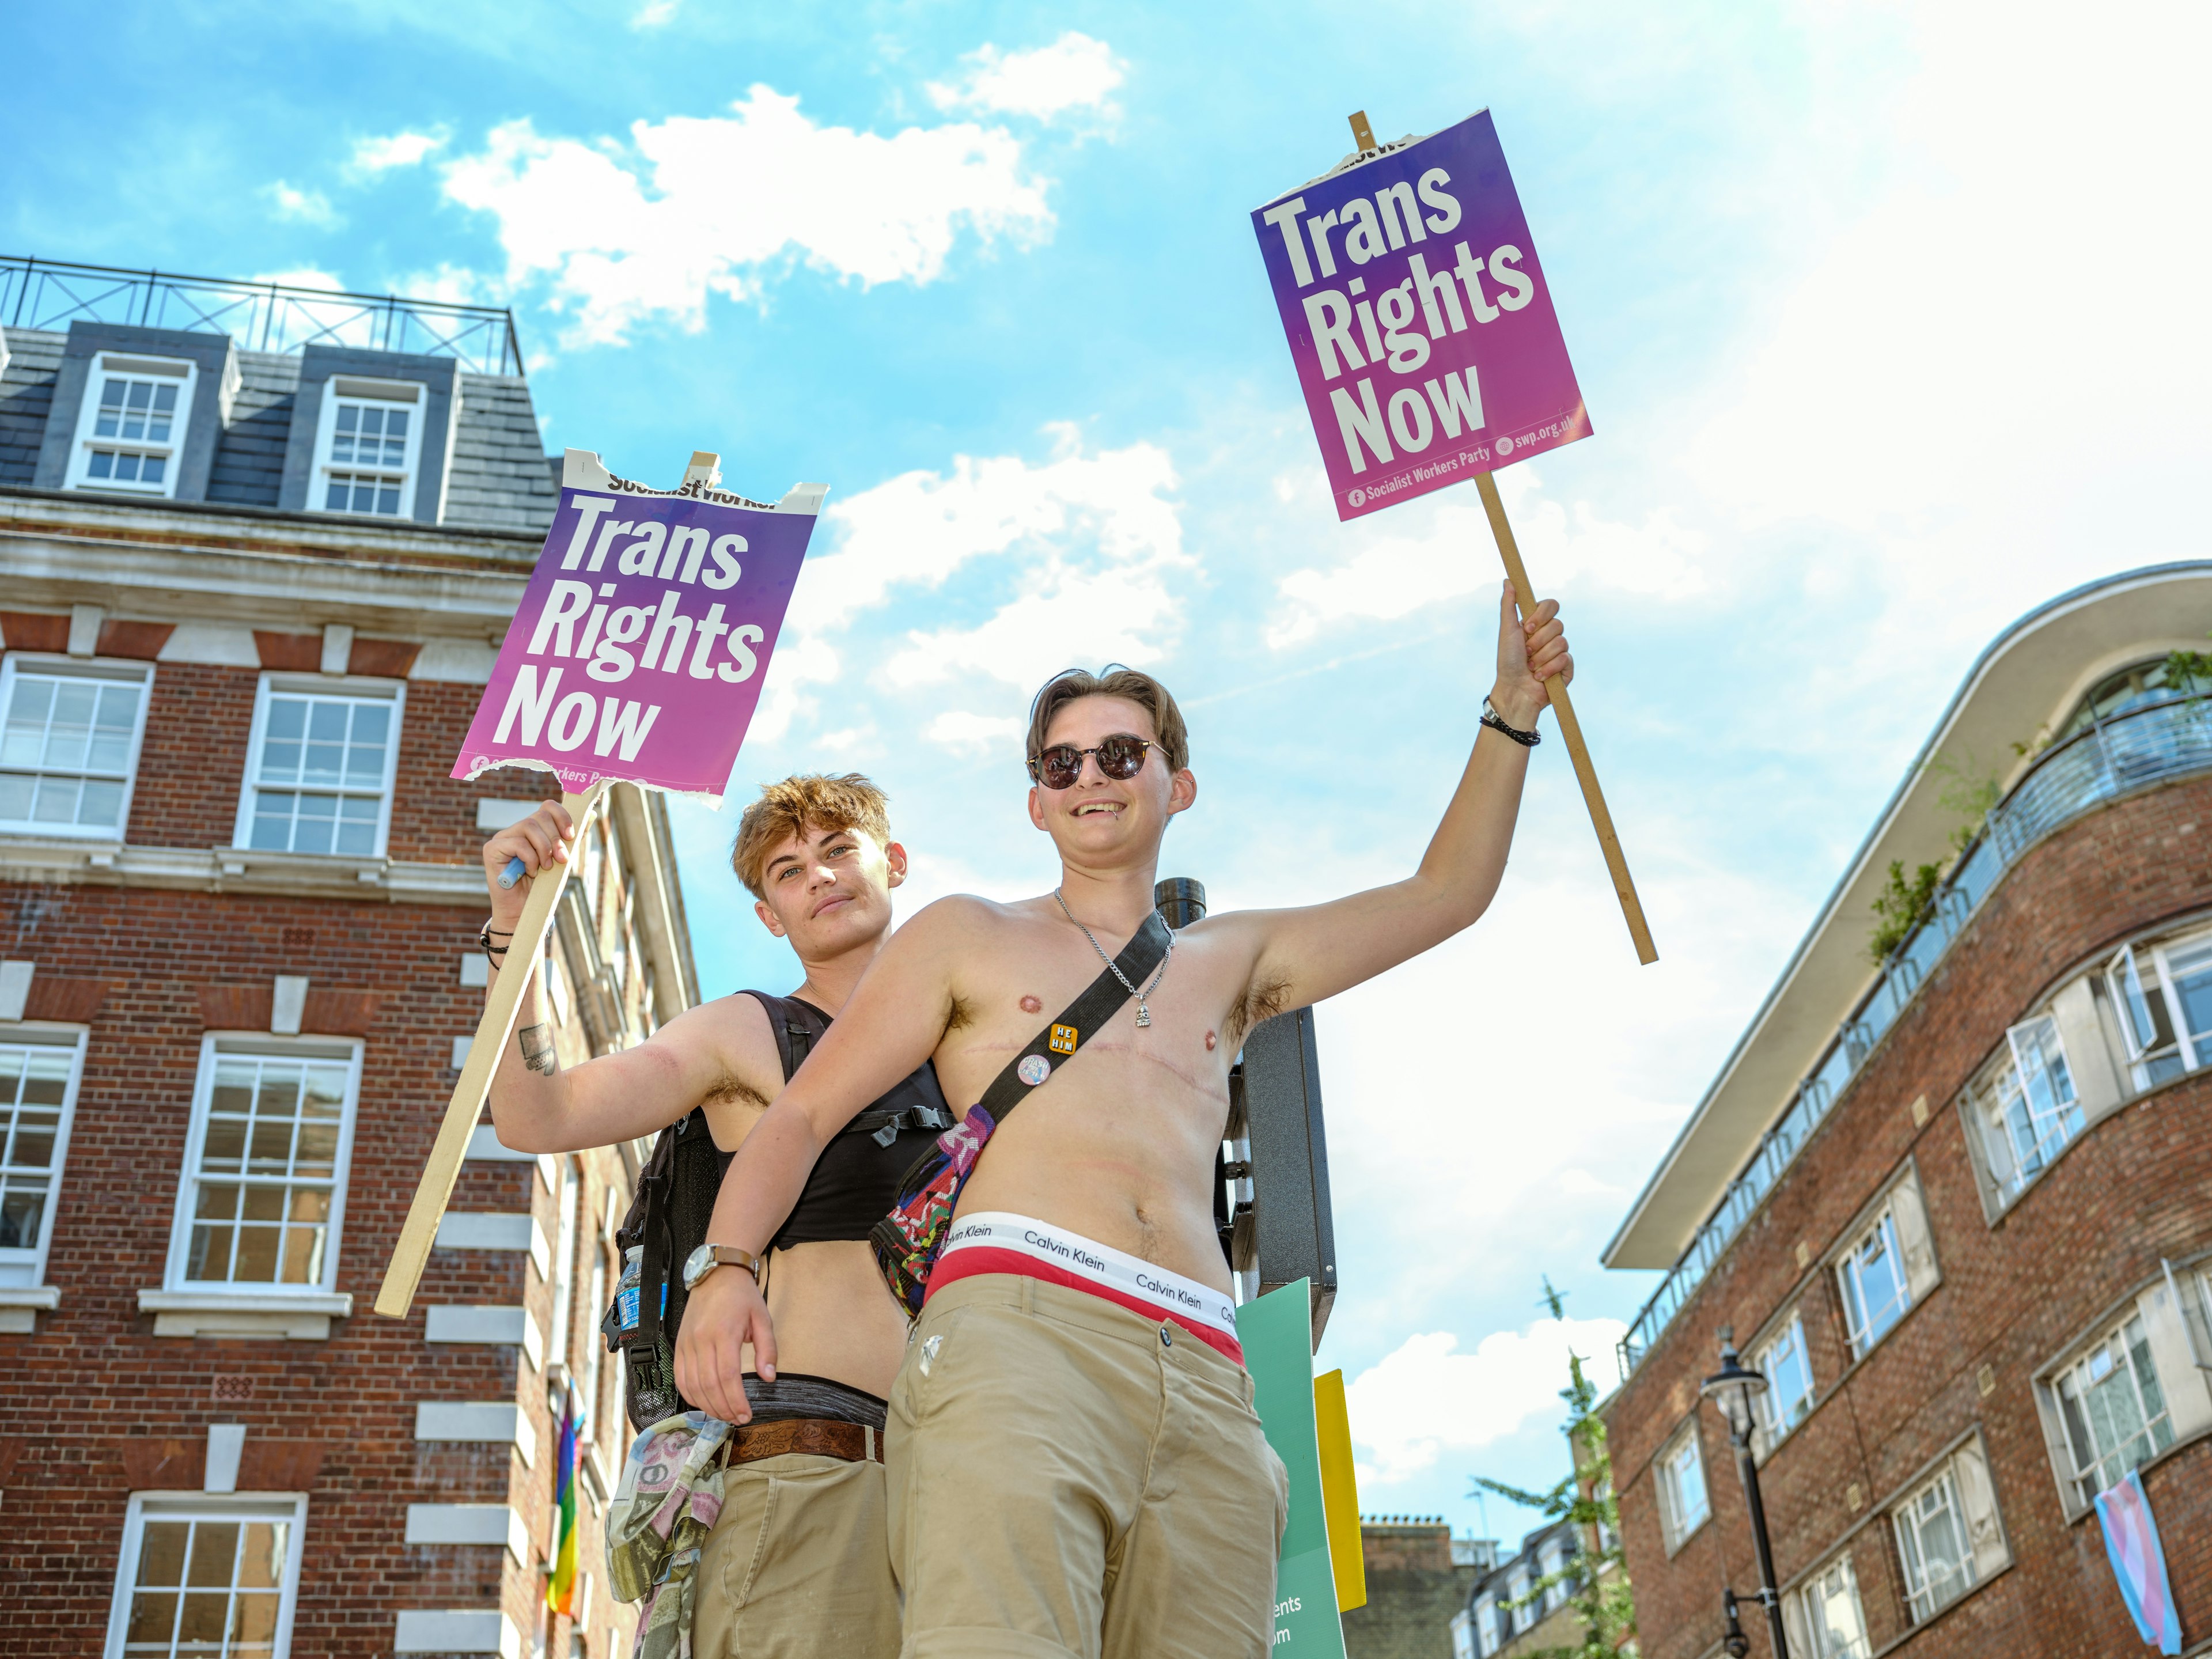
(301, 1317)
(22, 1304)
(25, 857)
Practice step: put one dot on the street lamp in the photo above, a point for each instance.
(1732, 1388)
(1734, 1642)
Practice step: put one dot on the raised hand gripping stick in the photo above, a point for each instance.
(420, 1231)
(1623, 885)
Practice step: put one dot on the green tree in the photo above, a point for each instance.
(1598, 1576)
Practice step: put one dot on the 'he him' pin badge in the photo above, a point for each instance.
(1063, 1039)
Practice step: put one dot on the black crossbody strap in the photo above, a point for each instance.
(1105, 997)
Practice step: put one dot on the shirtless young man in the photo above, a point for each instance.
(797, 1564)
(1070, 1475)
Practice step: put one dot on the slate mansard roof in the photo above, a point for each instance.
(500, 478)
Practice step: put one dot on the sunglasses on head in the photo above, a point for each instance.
(1120, 757)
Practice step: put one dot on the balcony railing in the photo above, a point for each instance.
(2143, 746)
(42, 294)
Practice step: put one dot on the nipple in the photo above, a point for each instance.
(1209, 1042)
(1031, 1005)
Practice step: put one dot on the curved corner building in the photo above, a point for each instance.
(1957, 1207)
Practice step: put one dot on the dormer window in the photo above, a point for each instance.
(372, 433)
(131, 424)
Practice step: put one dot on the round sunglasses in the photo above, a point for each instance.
(1120, 757)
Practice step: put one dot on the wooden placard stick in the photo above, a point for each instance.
(1623, 885)
(432, 1193)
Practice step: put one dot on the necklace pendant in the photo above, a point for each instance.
(1144, 1015)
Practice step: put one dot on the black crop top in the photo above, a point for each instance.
(855, 1183)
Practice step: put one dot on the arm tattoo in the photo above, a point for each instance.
(537, 1053)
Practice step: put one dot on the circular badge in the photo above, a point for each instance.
(1504, 446)
(1358, 497)
(1034, 1069)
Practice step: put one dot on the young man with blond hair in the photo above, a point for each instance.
(1075, 1465)
(798, 1563)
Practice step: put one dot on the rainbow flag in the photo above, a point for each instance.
(561, 1587)
(2139, 1563)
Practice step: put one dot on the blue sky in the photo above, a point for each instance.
(1885, 318)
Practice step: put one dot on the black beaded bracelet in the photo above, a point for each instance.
(1526, 739)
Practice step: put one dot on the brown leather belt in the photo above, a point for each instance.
(817, 1436)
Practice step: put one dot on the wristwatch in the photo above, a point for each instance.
(707, 1257)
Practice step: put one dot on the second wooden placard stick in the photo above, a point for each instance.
(435, 1189)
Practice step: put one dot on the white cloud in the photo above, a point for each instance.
(1426, 1398)
(975, 733)
(1070, 616)
(698, 205)
(396, 149)
(655, 14)
(455, 284)
(1075, 72)
(301, 276)
(1089, 542)
(306, 206)
(1393, 575)
(1987, 428)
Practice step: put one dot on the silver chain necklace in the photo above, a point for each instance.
(1144, 1014)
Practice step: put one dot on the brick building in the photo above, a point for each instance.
(1417, 1579)
(1957, 1207)
(1507, 1614)
(257, 549)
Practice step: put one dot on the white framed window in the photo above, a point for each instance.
(1949, 1537)
(2155, 1051)
(1680, 1470)
(1491, 1626)
(1888, 1265)
(2113, 1407)
(1787, 1400)
(2024, 1106)
(2164, 995)
(366, 447)
(207, 1577)
(1552, 1558)
(69, 736)
(2184, 974)
(263, 1197)
(1824, 1617)
(40, 1068)
(131, 425)
(320, 764)
(1872, 1275)
(1931, 1542)
(1463, 1637)
(567, 1196)
(1522, 1613)
(606, 1272)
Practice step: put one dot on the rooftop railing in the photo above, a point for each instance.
(48, 295)
(2142, 745)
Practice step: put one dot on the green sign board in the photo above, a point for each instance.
(1277, 1332)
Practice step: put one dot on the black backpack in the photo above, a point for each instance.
(675, 1202)
(667, 1221)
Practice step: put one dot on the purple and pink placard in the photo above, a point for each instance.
(1419, 319)
(642, 639)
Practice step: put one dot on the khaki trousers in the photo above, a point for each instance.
(796, 1567)
(1070, 1478)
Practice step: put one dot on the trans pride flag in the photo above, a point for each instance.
(2139, 1562)
(561, 1587)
